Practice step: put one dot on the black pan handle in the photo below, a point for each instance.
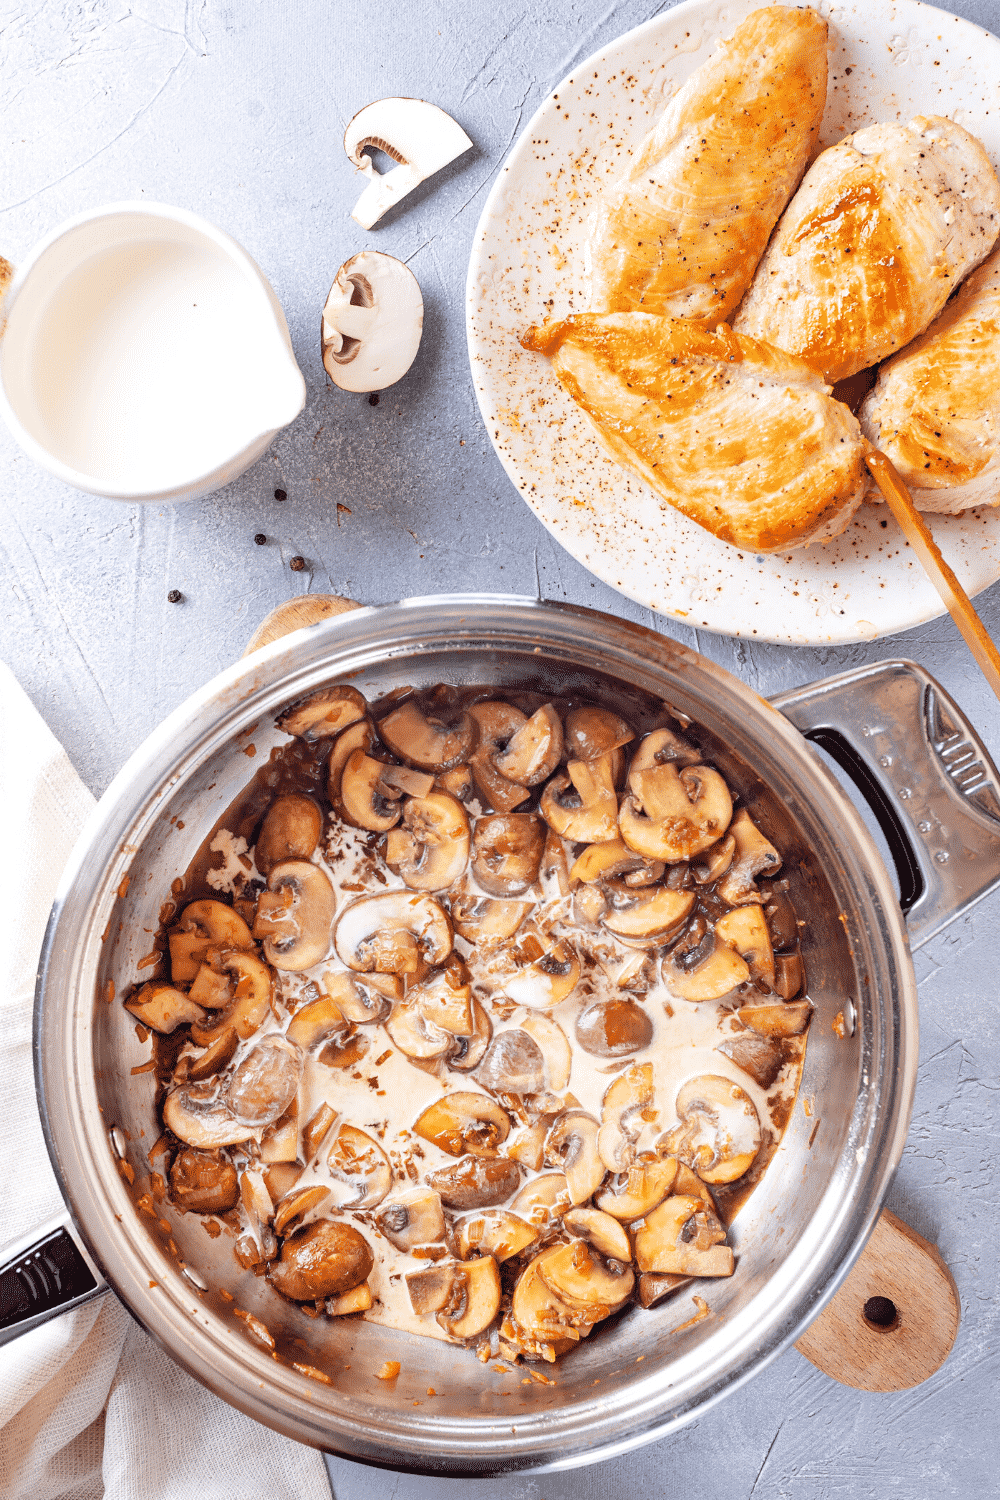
(44, 1274)
(926, 776)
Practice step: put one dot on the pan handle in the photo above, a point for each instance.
(925, 774)
(45, 1273)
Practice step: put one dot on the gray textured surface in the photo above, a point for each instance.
(237, 111)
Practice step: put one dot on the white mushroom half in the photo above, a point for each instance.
(418, 136)
(372, 322)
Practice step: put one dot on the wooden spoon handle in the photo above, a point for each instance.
(305, 609)
(894, 1320)
(917, 533)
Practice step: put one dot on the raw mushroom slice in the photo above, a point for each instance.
(555, 1049)
(475, 1182)
(755, 855)
(572, 1145)
(431, 851)
(372, 321)
(583, 1279)
(496, 1232)
(513, 1064)
(719, 1134)
(162, 1008)
(291, 829)
(496, 723)
(652, 913)
(360, 1169)
(587, 814)
(393, 932)
(614, 1028)
(412, 1217)
(684, 1238)
(718, 974)
(637, 1191)
(673, 815)
(324, 713)
(419, 137)
(204, 925)
(534, 750)
(627, 1106)
(265, 1082)
(425, 741)
(364, 799)
(198, 1117)
(744, 929)
(295, 915)
(324, 1259)
(203, 1182)
(487, 919)
(600, 1230)
(593, 732)
(464, 1122)
(507, 852)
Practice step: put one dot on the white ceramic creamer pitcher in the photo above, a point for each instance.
(144, 355)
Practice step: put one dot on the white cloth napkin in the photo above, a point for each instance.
(89, 1406)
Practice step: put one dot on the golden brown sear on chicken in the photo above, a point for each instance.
(936, 407)
(681, 233)
(738, 436)
(881, 232)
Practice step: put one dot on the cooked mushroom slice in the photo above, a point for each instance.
(718, 974)
(614, 1028)
(496, 1232)
(662, 747)
(534, 750)
(203, 1182)
(626, 1107)
(654, 1288)
(430, 1288)
(315, 1022)
(777, 1020)
(600, 1230)
(513, 1064)
(394, 932)
(593, 732)
(291, 830)
(358, 1299)
(779, 912)
(528, 1145)
(633, 1194)
(162, 1008)
(587, 814)
(789, 975)
(719, 1134)
(653, 913)
(682, 1237)
(432, 850)
(345, 1050)
(280, 1141)
(324, 1259)
(475, 1182)
(745, 931)
(714, 861)
(467, 1052)
(485, 919)
(323, 713)
(545, 980)
(589, 905)
(280, 1177)
(673, 815)
(541, 1313)
(428, 743)
(463, 1122)
(364, 801)
(372, 321)
(542, 1200)
(265, 1082)
(198, 1117)
(572, 1145)
(475, 1298)
(405, 779)
(316, 1129)
(295, 915)
(507, 852)
(360, 736)
(415, 1036)
(357, 1000)
(444, 998)
(610, 859)
(497, 723)
(754, 856)
(412, 1217)
(583, 1278)
(554, 870)
(204, 925)
(418, 136)
(293, 1209)
(212, 988)
(251, 1002)
(555, 1049)
(457, 783)
(757, 1056)
(215, 1057)
(360, 1169)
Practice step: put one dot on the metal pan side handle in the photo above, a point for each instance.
(924, 772)
(46, 1273)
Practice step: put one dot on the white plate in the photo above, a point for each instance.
(888, 61)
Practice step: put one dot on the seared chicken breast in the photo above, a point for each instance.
(738, 436)
(681, 233)
(935, 409)
(881, 232)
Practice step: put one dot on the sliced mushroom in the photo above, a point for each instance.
(324, 1259)
(555, 866)
(485, 919)
(198, 1117)
(372, 322)
(779, 912)
(528, 1145)
(572, 1145)
(608, 860)
(315, 1022)
(626, 1107)
(593, 732)
(789, 975)
(540, 1312)
(431, 851)
(755, 855)
(464, 1121)
(415, 1036)
(467, 1052)
(418, 136)
(542, 1200)
(683, 1238)
(777, 1020)
(280, 1141)
(162, 1008)
(323, 713)
(392, 933)
(427, 742)
(444, 998)
(215, 1057)
(534, 750)
(289, 1214)
(614, 1028)
(717, 974)
(412, 1217)
(360, 736)
(204, 925)
(635, 1192)
(265, 1082)
(655, 1288)
(580, 1276)
(673, 815)
(316, 1129)
(653, 913)
(496, 1232)
(211, 987)
(513, 1064)
(588, 813)
(756, 1055)
(291, 830)
(280, 1178)
(714, 861)
(345, 1050)
(457, 783)
(507, 852)
(406, 779)
(744, 929)
(719, 1134)
(358, 1299)
(555, 1049)
(536, 976)
(364, 801)
(632, 971)
(360, 1169)
(475, 1182)
(358, 1001)
(430, 1288)
(203, 1182)
(600, 1230)
(251, 1003)
(475, 1299)
(295, 915)
(496, 723)
(662, 747)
